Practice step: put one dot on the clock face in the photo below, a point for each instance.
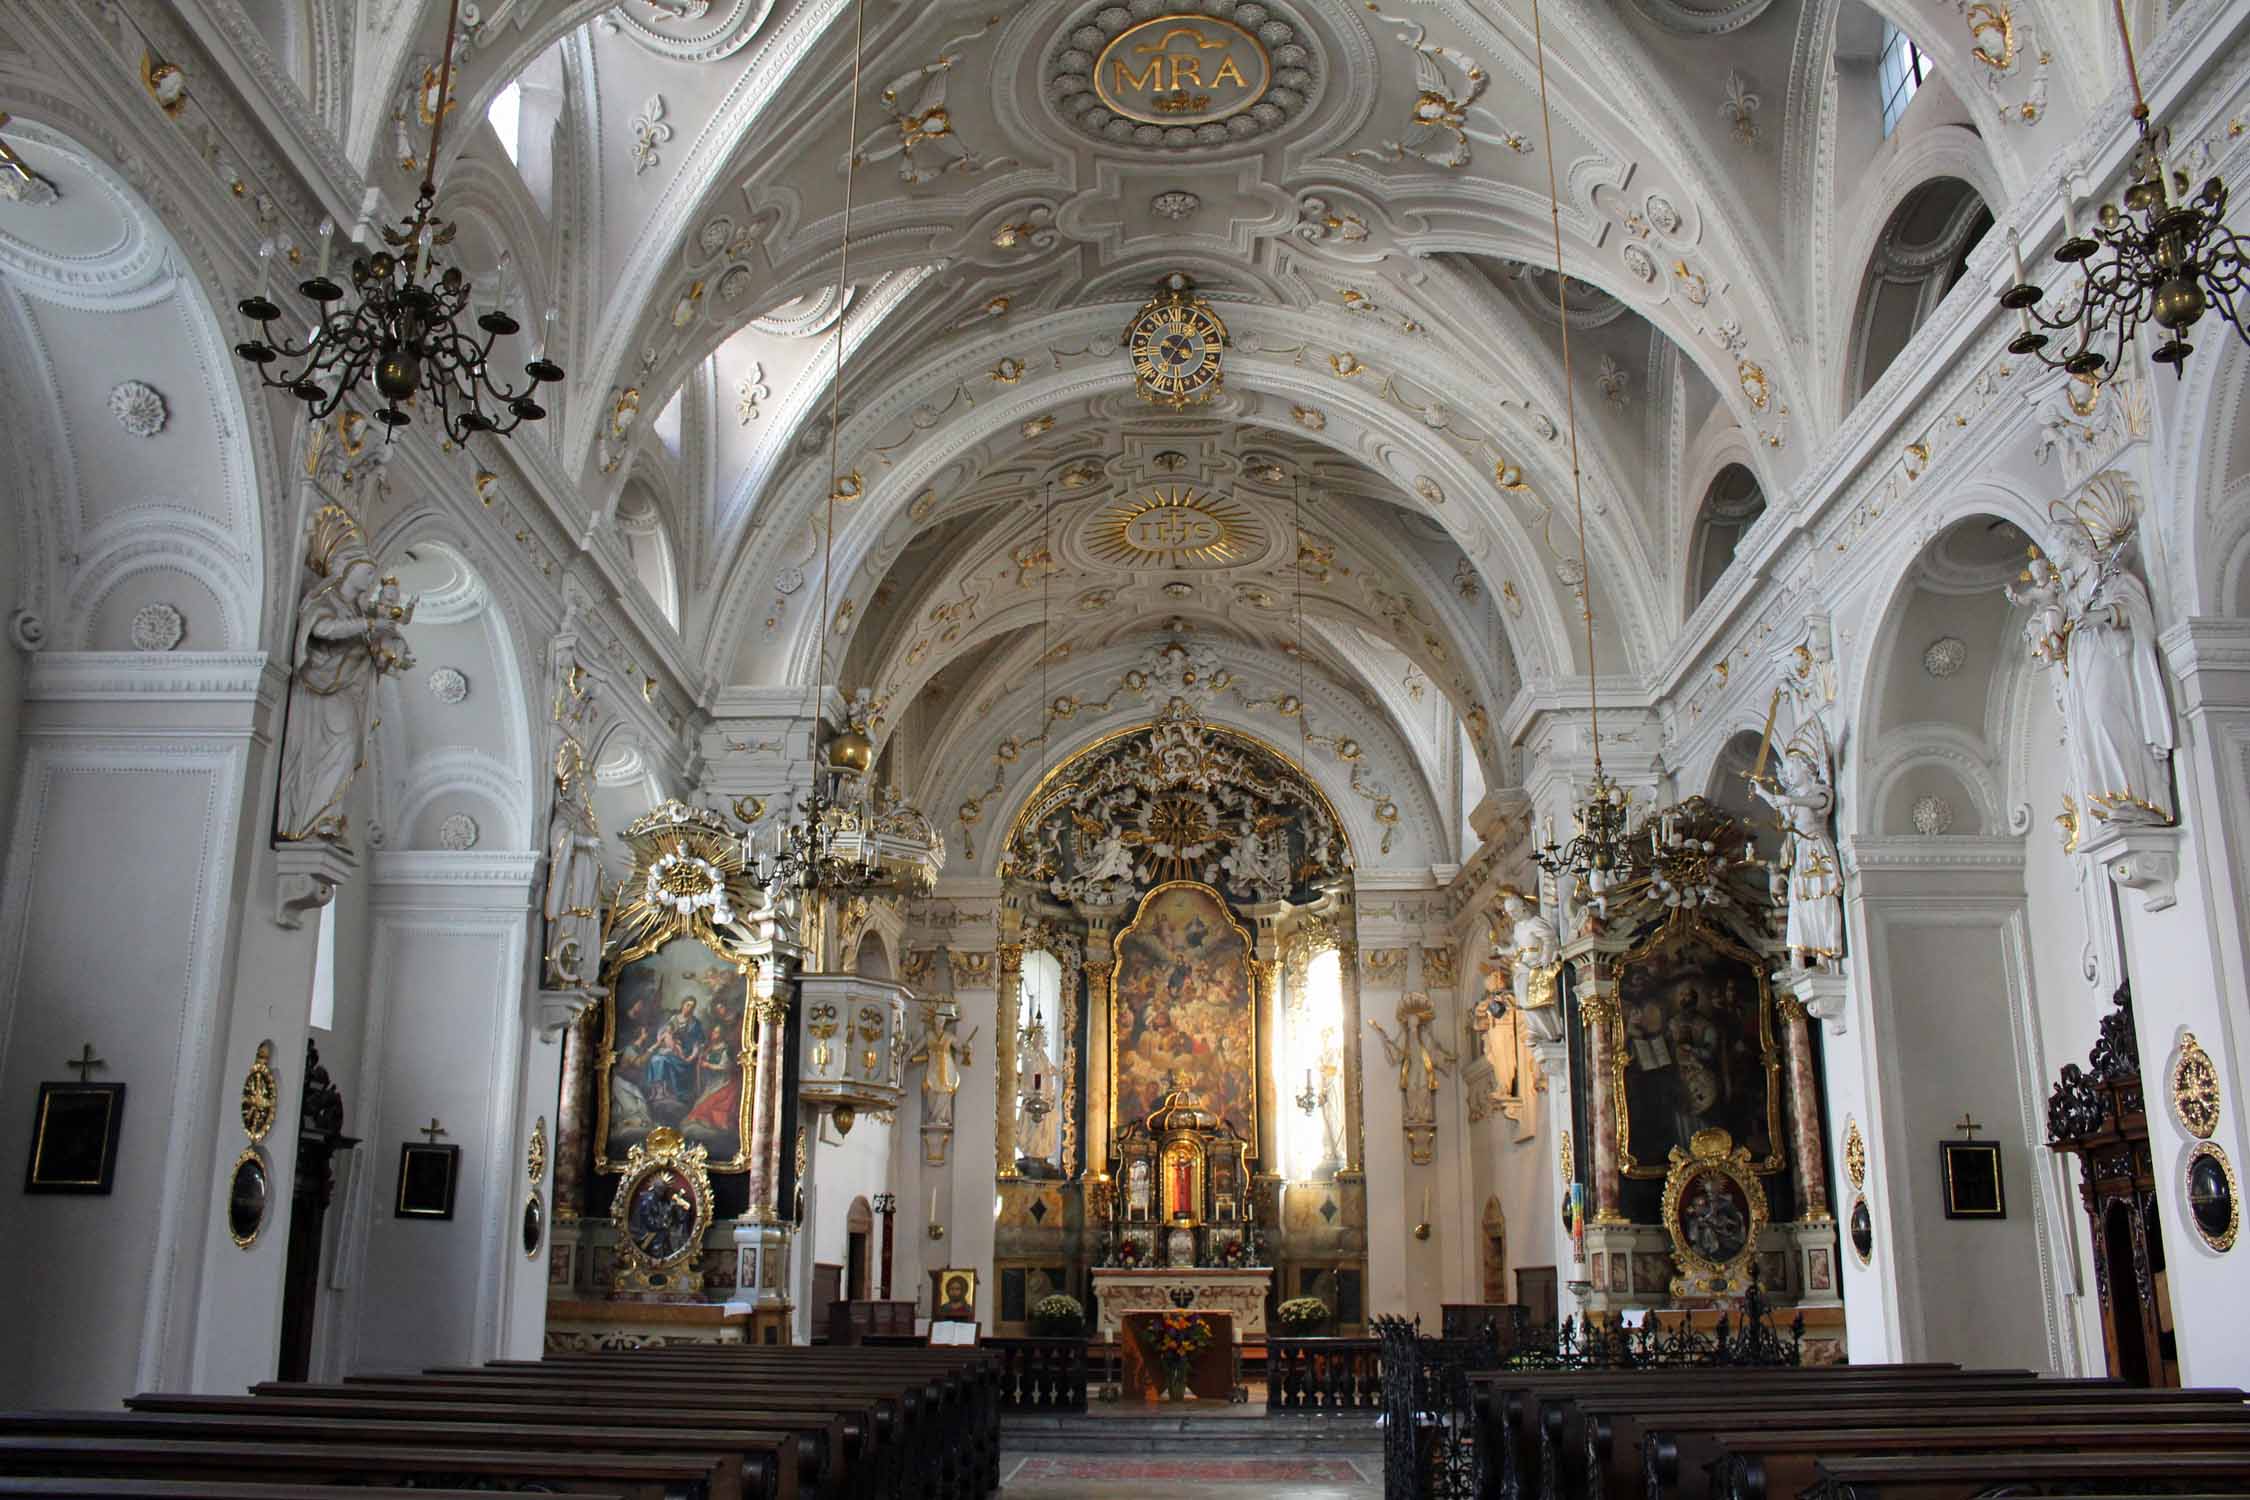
(1176, 349)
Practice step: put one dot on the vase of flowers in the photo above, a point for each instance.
(1302, 1317)
(1058, 1317)
(1180, 1337)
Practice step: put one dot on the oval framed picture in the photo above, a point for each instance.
(249, 1195)
(2214, 1196)
(1863, 1232)
(534, 1224)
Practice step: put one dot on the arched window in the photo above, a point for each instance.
(1039, 1051)
(1922, 252)
(1901, 71)
(506, 115)
(1731, 506)
(1312, 1069)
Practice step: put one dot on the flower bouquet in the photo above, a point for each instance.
(1180, 1337)
(1058, 1317)
(1303, 1317)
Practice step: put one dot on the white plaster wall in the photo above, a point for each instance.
(117, 1276)
(853, 1166)
(968, 1201)
(444, 1036)
(1398, 1281)
(1948, 991)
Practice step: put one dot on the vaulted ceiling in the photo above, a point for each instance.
(1366, 202)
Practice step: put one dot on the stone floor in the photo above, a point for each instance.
(1049, 1477)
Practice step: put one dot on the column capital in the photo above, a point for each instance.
(1824, 997)
(306, 876)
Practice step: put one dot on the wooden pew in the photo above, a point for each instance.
(49, 1488)
(1759, 1464)
(766, 1460)
(840, 1443)
(1682, 1457)
(1601, 1443)
(1963, 1476)
(631, 1476)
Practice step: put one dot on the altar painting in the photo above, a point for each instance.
(674, 1053)
(1182, 1003)
(1698, 1050)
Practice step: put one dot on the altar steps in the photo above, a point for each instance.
(1251, 1434)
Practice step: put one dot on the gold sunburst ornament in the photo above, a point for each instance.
(1175, 527)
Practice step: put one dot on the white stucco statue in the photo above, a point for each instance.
(942, 1056)
(2119, 723)
(1808, 872)
(574, 880)
(1533, 949)
(1259, 862)
(350, 634)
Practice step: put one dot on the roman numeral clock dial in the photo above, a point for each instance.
(1177, 344)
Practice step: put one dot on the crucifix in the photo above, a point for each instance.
(85, 1062)
(1967, 1126)
(433, 1130)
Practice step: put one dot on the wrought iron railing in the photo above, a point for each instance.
(1324, 1374)
(1042, 1375)
(1574, 1344)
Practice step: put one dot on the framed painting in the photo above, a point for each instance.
(428, 1176)
(74, 1134)
(953, 1294)
(1973, 1189)
(1697, 1051)
(675, 1039)
(1181, 1002)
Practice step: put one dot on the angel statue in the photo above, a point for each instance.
(574, 879)
(350, 634)
(1808, 873)
(1422, 1060)
(2096, 627)
(1259, 861)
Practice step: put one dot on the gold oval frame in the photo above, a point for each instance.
(1713, 1151)
(265, 1204)
(261, 1095)
(2195, 1089)
(636, 1270)
(1178, 107)
(2222, 1242)
(1855, 1154)
(1859, 1203)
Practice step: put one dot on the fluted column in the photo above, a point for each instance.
(1009, 1007)
(1804, 1110)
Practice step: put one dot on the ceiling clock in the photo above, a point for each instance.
(1177, 343)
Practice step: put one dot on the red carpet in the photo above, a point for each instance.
(1194, 1471)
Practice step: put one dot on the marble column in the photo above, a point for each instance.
(1804, 1110)
(574, 1113)
(1265, 978)
(769, 1008)
(1008, 1010)
(1101, 964)
(1598, 1009)
(1355, 1027)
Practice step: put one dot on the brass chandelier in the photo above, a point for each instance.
(2170, 260)
(407, 328)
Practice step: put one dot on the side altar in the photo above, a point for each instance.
(1181, 1227)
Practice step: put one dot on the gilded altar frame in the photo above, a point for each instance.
(1713, 1153)
(639, 924)
(676, 1268)
(1250, 953)
(1678, 931)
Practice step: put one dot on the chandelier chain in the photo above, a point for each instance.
(836, 383)
(1570, 394)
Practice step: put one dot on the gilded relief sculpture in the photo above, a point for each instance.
(350, 635)
(2092, 625)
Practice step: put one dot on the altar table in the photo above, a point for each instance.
(1240, 1293)
(1210, 1374)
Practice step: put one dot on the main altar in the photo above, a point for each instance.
(1182, 1231)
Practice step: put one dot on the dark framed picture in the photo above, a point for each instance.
(74, 1138)
(427, 1177)
(1972, 1180)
